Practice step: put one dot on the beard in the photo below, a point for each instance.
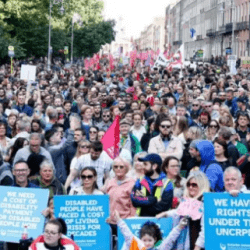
(149, 173)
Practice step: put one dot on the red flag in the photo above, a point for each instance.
(111, 139)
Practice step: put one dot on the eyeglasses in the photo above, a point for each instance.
(213, 126)
(50, 232)
(208, 106)
(89, 177)
(20, 170)
(84, 146)
(195, 105)
(106, 116)
(92, 132)
(118, 167)
(166, 126)
(193, 185)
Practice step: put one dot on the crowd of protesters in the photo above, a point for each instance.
(182, 133)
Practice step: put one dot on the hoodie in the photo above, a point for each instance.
(208, 165)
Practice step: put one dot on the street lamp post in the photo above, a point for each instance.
(50, 10)
(232, 8)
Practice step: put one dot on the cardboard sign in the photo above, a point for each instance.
(227, 221)
(135, 224)
(191, 208)
(85, 216)
(20, 208)
(28, 72)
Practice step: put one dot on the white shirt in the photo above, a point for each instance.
(138, 133)
(102, 165)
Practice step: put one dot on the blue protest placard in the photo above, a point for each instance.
(20, 208)
(227, 221)
(134, 224)
(85, 216)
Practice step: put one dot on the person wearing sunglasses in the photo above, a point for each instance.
(165, 144)
(212, 130)
(106, 120)
(197, 184)
(93, 133)
(83, 148)
(88, 177)
(119, 189)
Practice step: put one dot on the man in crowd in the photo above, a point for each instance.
(21, 107)
(153, 193)
(165, 144)
(34, 154)
(233, 181)
(98, 159)
(203, 155)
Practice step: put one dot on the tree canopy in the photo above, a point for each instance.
(24, 24)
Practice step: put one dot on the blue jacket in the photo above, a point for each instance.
(24, 109)
(232, 106)
(208, 166)
(149, 204)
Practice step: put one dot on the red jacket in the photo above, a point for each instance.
(38, 243)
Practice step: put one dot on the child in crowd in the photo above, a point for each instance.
(150, 235)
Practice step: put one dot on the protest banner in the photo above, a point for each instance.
(135, 224)
(231, 62)
(28, 72)
(161, 61)
(85, 216)
(21, 208)
(227, 221)
(245, 62)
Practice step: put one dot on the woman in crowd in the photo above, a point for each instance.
(221, 153)
(137, 170)
(82, 149)
(212, 130)
(181, 129)
(171, 167)
(4, 140)
(193, 238)
(119, 189)
(36, 126)
(88, 176)
(86, 113)
(138, 129)
(93, 133)
(47, 179)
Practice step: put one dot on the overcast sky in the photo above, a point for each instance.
(136, 14)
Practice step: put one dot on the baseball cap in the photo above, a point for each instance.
(154, 158)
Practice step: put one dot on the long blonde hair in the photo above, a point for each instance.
(202, 182)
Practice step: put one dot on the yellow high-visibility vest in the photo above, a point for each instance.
(158, 192)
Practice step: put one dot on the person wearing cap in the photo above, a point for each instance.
(165, 144)
(127, 140)
(203, 154)
(153, 193)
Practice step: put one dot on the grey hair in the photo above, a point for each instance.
(230, 170)
(37, 135)
(23, 124)
(76, 116)
(196, 131)
(47, 163)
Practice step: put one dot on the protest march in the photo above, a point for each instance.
(144, 148)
